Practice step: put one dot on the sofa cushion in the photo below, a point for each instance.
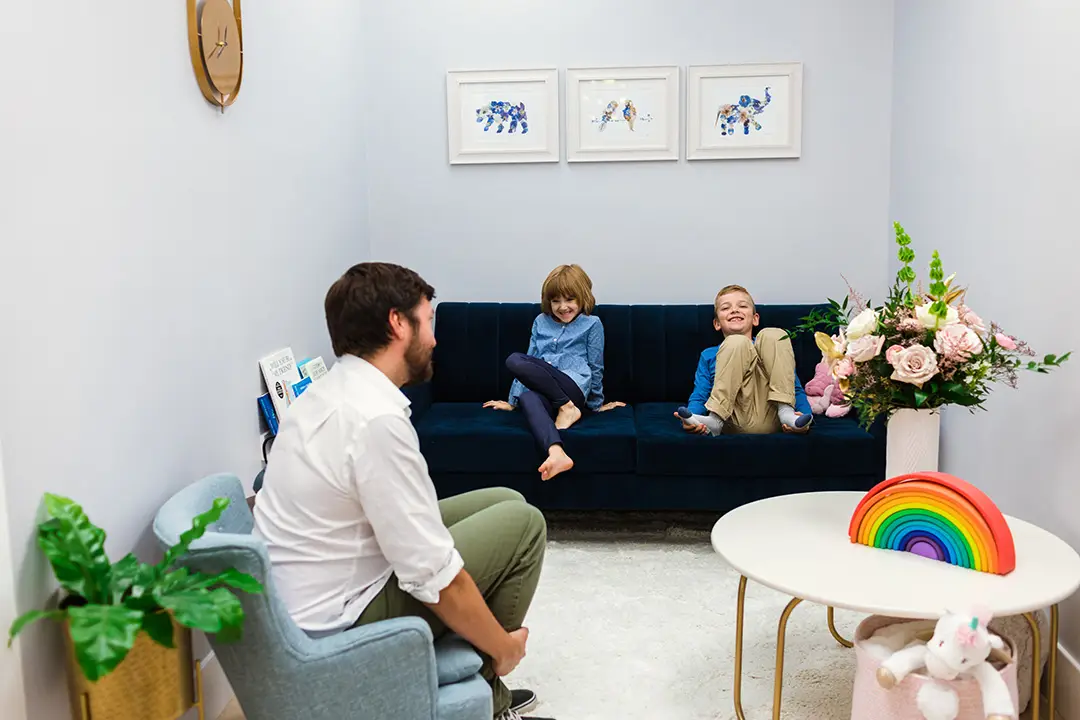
(455, 659)
(832, 447)
(468, 438)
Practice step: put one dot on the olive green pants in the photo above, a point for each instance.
(502, 539)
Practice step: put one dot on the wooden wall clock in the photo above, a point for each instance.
(216, 41)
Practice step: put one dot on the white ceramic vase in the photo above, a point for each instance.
(913, 438)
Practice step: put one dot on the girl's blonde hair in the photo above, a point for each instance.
(568, 281)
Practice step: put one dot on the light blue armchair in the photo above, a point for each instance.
(384, 671)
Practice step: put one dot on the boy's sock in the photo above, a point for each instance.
(712, 421)
(789, 418)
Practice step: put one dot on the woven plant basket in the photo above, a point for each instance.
(152, 683)
(873, 702)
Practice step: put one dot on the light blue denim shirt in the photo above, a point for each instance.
(576, 348)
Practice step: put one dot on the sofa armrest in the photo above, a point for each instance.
(421, 397)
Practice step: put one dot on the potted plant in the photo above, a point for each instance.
(128, 624)
(915, 353)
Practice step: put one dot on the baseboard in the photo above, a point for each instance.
(1068, 685)
(217, 693)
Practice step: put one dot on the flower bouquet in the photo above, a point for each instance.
(919, 350)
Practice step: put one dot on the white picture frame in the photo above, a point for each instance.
(765, 104)
(524, 130)
(602, 127)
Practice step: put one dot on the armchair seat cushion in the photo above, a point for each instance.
(455, 660)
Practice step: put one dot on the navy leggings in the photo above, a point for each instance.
(548, 389)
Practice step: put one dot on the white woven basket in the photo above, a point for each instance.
(873, 702)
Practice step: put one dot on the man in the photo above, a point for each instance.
(350, 515)
(746, 386)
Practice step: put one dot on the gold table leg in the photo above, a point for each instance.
(1036, 654)
(199, 700)
(778, 682)
(738, 648)
(832, 628)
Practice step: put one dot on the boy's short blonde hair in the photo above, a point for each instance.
(568, 281)
(730, 289)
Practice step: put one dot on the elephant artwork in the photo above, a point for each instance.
(743, 113)
(503, 111)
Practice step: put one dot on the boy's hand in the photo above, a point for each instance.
(610, 406)
(692, 428)
(798, 431)
(498, 405)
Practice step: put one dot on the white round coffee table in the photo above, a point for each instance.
(799, 545)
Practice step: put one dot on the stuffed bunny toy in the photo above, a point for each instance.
(824, 394)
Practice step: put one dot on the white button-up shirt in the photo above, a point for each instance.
(347, 500)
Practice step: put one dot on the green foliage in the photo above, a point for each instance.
(108, 604)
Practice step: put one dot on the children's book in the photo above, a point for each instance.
(279, 371)
(269, 415)
(313, 369)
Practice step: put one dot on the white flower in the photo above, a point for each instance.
(914, 365)
(862, 324)
(865, 348)
(930, 321)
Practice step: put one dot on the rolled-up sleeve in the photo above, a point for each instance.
(399, 500)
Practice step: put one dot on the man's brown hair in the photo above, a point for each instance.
(358, 306)
(568, 281)
(730, 289)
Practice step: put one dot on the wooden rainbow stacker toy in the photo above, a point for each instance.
(937, 516)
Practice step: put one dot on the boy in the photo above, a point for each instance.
(744, 386)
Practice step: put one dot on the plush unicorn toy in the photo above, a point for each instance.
(960, 646)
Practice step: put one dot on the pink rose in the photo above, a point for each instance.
(1005, 341)
(865, 348)
(973, 321)
(890, 354)
(957, 343)
(844, 369)
(914, 365)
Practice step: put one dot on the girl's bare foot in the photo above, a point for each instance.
(568, 415)
(558, 462)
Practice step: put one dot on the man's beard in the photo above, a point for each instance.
(418, 362)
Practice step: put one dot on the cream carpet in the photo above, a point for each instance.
(623, 630)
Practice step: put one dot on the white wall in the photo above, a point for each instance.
(985, 168)
(153, 249)
(12, 696)
(646, 232)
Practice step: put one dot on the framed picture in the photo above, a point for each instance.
(503, 116)
(629, 113)
(744, 111)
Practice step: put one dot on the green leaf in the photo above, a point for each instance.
(193, 608)
(241, 581)
(122, 577)
(159, 626)
(1049, 360)
(33, 616)
(102, 635)
(199, 526)
(75, 548)
(920, 397)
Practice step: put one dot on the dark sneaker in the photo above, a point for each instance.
(522, 700)
(513, 715)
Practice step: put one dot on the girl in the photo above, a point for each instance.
(561, 377)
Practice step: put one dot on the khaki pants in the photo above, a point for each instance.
(502, 539)
(750, 378)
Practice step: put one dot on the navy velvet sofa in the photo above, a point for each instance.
(632, 458)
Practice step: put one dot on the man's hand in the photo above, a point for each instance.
(499, 405)
(515, 652)
(692, 428)
(610, 406)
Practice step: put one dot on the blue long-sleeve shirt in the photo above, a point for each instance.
(576, 348)
(703, 385)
